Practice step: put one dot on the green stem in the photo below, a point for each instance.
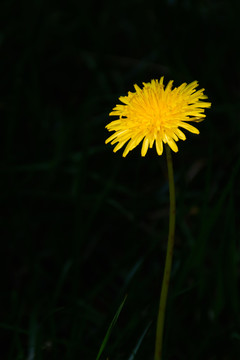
(169, 256)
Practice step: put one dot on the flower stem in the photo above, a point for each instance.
(169, 256)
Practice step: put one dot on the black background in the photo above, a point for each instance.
(81, 226)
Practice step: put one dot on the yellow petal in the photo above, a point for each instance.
(119, 146)
(180, 134)
(172, 145)
(159, 146)
(190, 128)
(145, 146)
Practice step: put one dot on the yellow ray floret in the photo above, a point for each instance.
(155, 114)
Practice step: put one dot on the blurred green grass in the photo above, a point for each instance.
(81, 226)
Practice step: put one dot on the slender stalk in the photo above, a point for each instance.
(169, 256)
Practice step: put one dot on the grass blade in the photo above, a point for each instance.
(113, 322)
(135, 350)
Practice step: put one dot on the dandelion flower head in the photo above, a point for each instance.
(155, 114)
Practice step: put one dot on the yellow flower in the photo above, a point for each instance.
(154, 114)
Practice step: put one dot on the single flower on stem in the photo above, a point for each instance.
(155, 114)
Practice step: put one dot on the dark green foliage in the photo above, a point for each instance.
(81, 227)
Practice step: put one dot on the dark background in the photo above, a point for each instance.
(81, 226)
